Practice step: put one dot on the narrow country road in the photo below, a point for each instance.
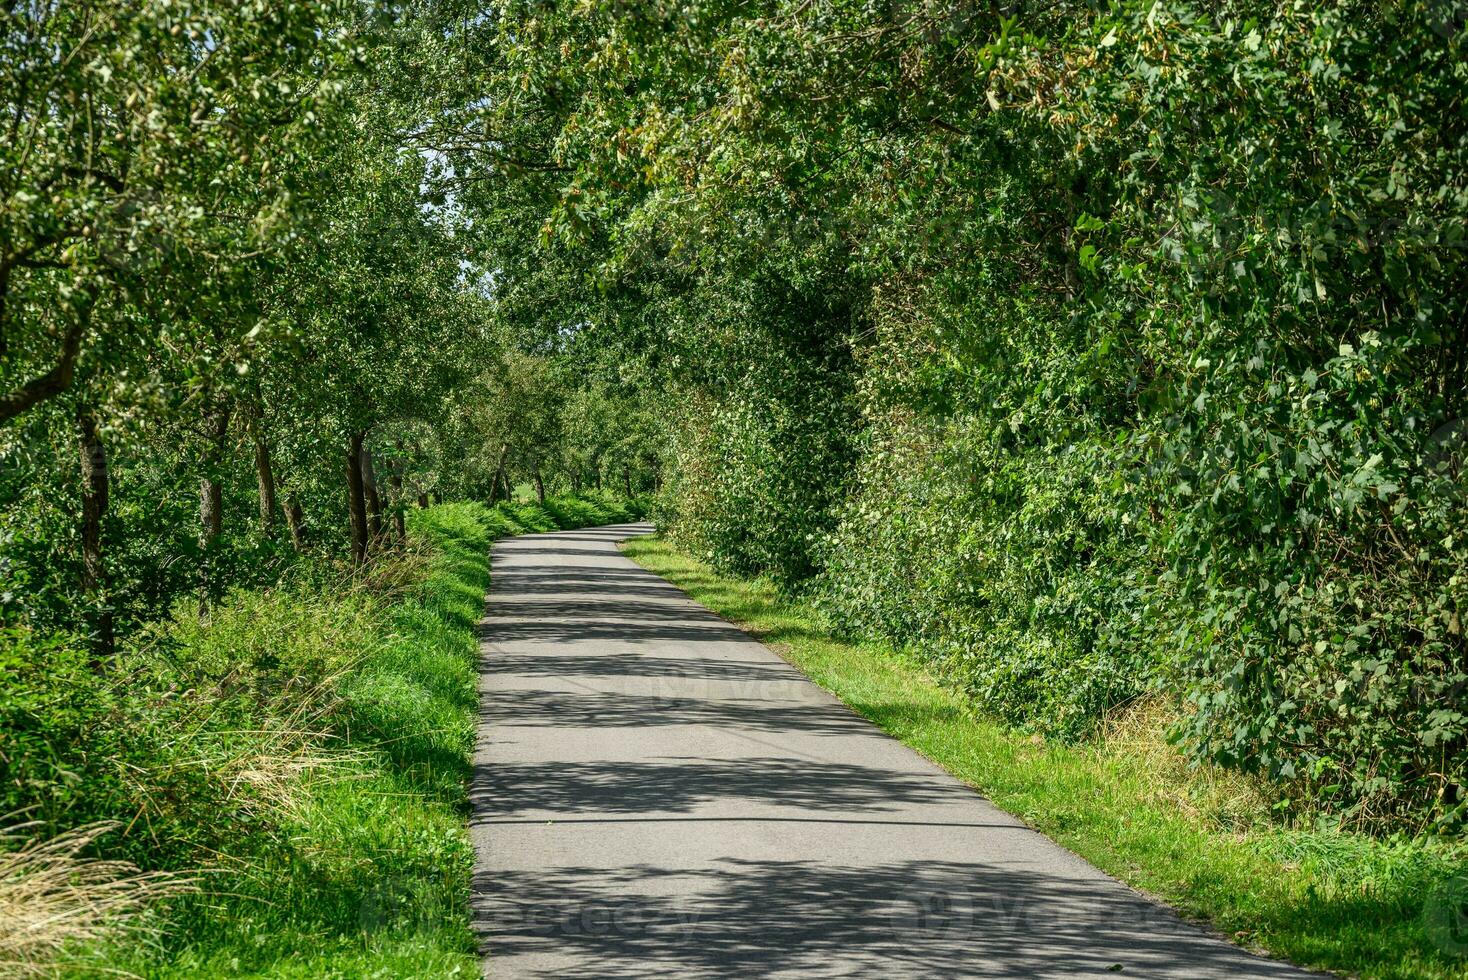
(658, 795)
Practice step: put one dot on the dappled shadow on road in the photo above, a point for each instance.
(629, 604)
(514, 586)
(522, 546)
(578, 654)
(588, 607)
(626, 612)
(586, 573)
(538, 613)
(675, 784)
(607, 534)
(631, 632)
(617, 665)
(569, 710)
(909, 919)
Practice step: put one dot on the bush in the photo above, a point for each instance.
(67, 742)
(764, 442)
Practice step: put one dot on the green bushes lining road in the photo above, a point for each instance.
(298, 762)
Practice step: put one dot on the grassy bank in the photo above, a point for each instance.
(1201, 839)
(277, 792)
(561, 514)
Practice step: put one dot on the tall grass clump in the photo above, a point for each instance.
(54, 898)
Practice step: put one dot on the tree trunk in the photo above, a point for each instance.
(356, 500)
(627, 479)
(539, 487)
(422, 499)
(211, 503)
(211, 525)
(369, 488)
(211, 507)
(265, 475)
(293, 520)
(499, 475)
(211, 490)
(395, 476)
(95, 479)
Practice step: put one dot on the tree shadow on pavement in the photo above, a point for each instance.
(673, 785)
(736, 918)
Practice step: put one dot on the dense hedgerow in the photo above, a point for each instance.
(1230, 462)
(783, 395)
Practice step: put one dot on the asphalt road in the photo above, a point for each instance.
(658, 795)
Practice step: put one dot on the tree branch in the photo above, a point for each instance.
(48, 385)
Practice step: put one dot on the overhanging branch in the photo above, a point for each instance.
(48, 385)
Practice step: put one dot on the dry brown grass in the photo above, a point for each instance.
(53, 898)
(265, 769)
(392, 573)
(274, 776)
(1210, 796)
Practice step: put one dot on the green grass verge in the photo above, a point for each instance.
(363, 871)
(1193, 837)
(303, 755)
(563, 513)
